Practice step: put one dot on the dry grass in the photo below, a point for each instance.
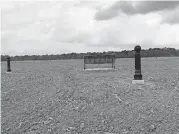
(59, 97)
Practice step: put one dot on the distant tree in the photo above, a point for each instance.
(151, 52)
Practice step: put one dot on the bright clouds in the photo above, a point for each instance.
(62, 27)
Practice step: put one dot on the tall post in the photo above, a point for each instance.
(138, 75)
(84, 64)
(8, 65)
(112, 62)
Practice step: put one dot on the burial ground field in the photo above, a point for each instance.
(59, 97)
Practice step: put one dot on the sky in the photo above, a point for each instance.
(56, 27)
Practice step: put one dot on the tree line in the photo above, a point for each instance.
(151, 52)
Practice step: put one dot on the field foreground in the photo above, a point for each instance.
(60, 97)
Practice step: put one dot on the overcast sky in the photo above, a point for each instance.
(82, 26)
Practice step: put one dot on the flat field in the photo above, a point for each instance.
(59, 97)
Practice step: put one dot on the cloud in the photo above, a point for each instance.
(145, 30)
(131, 8)
(152, 6)
(61, 27)
(171, 17)
(52, 28)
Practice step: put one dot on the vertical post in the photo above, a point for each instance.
(155, 54)
(8, 65)
(114, 61)
(138, 75)
(84, 63)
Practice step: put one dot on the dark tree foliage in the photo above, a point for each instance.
(151, 52)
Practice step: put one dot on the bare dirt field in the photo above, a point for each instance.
(59, 97)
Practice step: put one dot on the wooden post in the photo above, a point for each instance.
(8, 65)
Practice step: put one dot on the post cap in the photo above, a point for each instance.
(137, 48)
(8, 57)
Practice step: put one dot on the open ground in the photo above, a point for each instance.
(60, 97)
